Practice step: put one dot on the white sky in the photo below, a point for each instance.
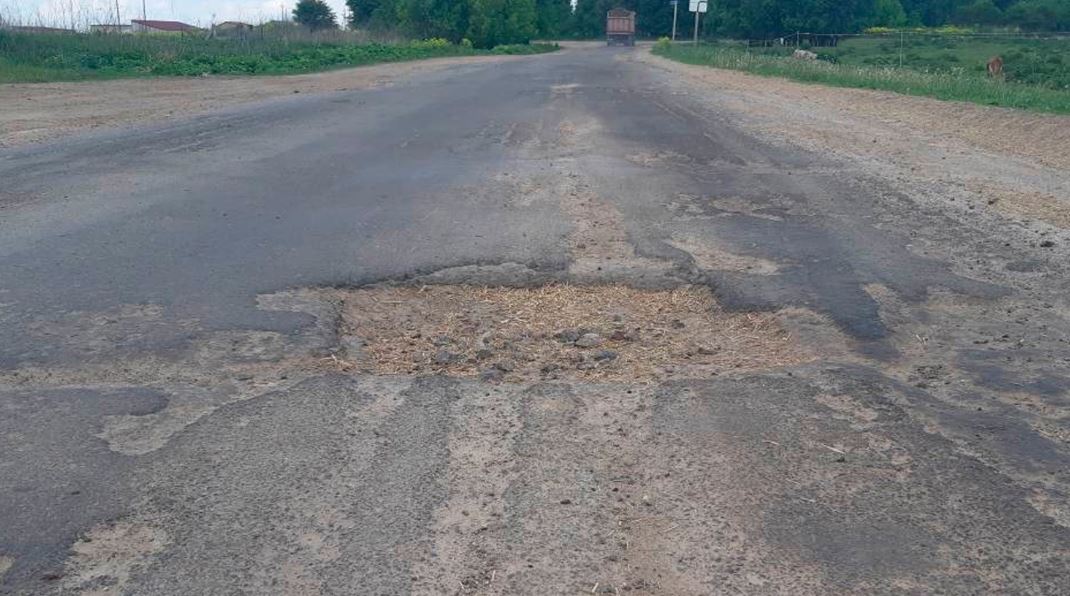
(194, 12)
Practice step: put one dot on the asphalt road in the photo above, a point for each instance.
(140, 269)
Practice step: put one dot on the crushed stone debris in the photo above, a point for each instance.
(606, 332)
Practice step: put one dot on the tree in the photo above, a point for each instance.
(314, 14)
(497, 22)
(889, 13)
(1040, 15)
(361, 12)
(981, 12)
(932, 13)
(552, 17)
(448, 19)
(653, 18)
(588, 19)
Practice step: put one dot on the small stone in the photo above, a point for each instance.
(589, 340)
(707, 351)
(446, 357)
(549, 368)
(1047, 243)
(624, 335)
(567, 336)
(505, 366)
(605, 355)
(678, 324)
(566, 501)
(484, 353)
(441, 340)
(491, 375)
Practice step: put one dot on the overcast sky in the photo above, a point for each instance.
(194, 12)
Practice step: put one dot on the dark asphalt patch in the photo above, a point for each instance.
(57, 476)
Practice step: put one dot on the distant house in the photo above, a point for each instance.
(167, 27)
(109, 29)
(232, 29)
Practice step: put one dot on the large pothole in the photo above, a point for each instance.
(601, 332)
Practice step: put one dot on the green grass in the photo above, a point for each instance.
(1040, 62)
(45, 57)
(846, 66)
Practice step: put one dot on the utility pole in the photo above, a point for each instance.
(118, 17)
(697, 13)
(144, 13)
(675, 5)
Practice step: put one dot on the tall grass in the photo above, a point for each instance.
(30, 57)
(956, 85)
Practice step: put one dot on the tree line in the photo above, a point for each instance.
(769, 18)
(487, 23)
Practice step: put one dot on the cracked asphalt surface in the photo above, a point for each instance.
(170, 422)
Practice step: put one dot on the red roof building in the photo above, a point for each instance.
(146, 26)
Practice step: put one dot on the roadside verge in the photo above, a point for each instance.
(44, 111)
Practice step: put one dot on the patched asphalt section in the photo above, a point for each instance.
(323, 487)
(801, 481)
(871, 503)
(56, 475)
(760, 200)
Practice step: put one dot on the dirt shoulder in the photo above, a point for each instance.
(34, 112)
(1010, 161)
(1042, 137)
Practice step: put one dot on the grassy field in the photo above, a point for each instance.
(1040, 62)
(48, 57)
(951, 69)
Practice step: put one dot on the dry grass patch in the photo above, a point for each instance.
(597, 332)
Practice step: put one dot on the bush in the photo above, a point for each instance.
(525, 48)
(42, 57)
(435, 43)
(662, 43)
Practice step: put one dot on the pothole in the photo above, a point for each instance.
(602, 332)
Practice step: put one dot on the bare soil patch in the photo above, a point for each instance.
(605, 332)
(36, 112)
(106, 558)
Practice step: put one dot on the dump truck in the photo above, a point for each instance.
(620, 27)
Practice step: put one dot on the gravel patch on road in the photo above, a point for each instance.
(604, 332)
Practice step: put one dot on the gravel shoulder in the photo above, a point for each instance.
(1011, 160)
(35, 112)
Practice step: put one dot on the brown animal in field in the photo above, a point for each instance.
(995, 67)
